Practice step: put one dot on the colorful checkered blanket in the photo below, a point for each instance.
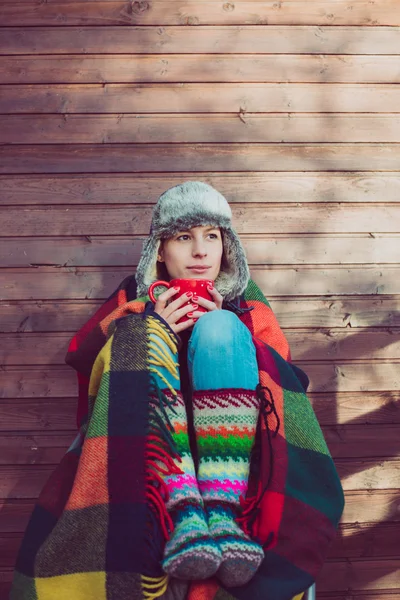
(100, 524)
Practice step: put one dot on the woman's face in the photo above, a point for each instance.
(193, 254)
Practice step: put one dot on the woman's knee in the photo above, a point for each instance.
(221, 353)
(218, 329)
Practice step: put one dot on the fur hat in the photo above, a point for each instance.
(179, 208)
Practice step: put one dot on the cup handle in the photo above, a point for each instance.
(155, 284)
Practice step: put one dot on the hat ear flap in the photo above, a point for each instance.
(234, 274)
(146, 271)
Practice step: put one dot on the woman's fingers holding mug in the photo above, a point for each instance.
(216, 296)
(163, 299)
(180, 312)
(207, 304)
(176, 304)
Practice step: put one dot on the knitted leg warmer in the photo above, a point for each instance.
(225, 423)
(190, 553)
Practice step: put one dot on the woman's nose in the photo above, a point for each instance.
(199, 250)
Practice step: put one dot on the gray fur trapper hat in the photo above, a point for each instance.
(180, 208)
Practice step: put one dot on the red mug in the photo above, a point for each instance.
(197, 286)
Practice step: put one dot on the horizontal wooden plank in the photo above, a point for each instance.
(45, 445)
(39, 414)
(203, 128)
(322, 344)
(199, 97)
(108, 188)
(359, 474)
(129, 68)
(353, 408)
(69, 316)
(23, 482)
(367, 540)
(253, 39)
(35, 448)
(9, 546)
(14, 515)
(192, 12)
(362, 441)
(33, 381)
(247, 219)
(26, 481)
(372, 505)
(275, 250)
(136, 158)
(358, 574)
(75, 283)
(375, 505)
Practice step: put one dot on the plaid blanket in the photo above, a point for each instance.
(100, 524)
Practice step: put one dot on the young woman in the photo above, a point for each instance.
(192, 238)
(199, 460)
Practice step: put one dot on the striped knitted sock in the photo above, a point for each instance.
(241, 557)
(191, 553)
(225, 422)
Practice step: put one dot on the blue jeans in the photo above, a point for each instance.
(221, 354)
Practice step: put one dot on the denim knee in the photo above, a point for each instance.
(218, 329)
(221, 353)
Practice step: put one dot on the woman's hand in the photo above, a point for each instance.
(178, 308)
(175, 310)
(215, 304)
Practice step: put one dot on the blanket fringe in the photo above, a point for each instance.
(154, 587)
(161, 455)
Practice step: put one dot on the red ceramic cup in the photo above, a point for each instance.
(197, 286)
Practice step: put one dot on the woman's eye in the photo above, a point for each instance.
(213, 236)
(183, 237)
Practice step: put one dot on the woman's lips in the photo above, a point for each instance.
(199, 269)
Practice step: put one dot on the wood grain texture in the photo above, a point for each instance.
(182, 98)
(247, 219)
(136, 158)
(191, 12)
(359, 574)
(140, 68)
(248, 39)
(38, 414)
(246, 187)
(68, 315)
(291, 110)
(186, 129)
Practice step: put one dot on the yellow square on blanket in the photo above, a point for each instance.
(78, 586)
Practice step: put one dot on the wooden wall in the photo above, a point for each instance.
(290, 109)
